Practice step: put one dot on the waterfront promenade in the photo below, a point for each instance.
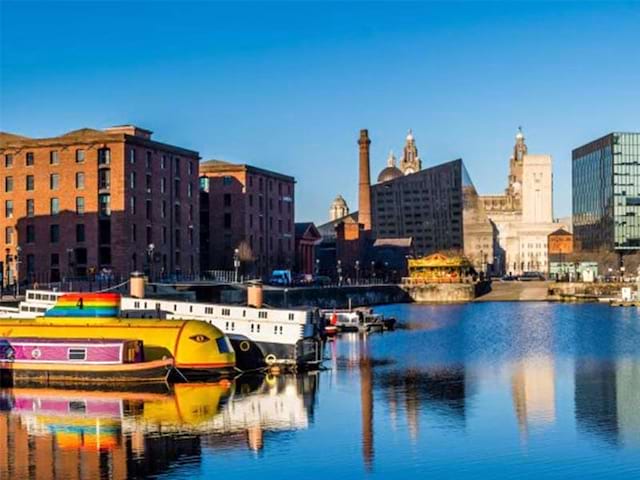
(516, 292)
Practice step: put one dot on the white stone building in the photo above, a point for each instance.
(523, 215)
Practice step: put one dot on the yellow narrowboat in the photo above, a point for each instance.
(195, 348)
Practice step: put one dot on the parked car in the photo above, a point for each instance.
(280, 278)
(531, 276)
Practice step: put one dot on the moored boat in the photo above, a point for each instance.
(195, 349)
(53, 361)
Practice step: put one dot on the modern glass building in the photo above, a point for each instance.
(606, 193)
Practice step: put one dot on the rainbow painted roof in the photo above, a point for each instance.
(86, 305)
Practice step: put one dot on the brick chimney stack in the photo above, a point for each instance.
(364, 184)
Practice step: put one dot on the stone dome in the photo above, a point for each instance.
(339, 202)
(390, 171)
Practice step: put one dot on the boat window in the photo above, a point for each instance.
(226, 326)
(223, 345)
(262, 314)
(280, 329)
(291, 315)
(145, 305)
(190, 308)
(258, 328)
(208, 310)
(175, 307)
(136, 304)
(77, 406)
(77, 354)
(252, 327)
(275, 329)
(226, 311)
(233, 325)
(30, 296)
(244, 313)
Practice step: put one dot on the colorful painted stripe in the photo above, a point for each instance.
(86, 305)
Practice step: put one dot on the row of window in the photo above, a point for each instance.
(54, 207)
(163, 184)
(54, 234)
(104, 158)
(54, 181)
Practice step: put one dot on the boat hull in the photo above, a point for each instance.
(13, 374)
(306, 354)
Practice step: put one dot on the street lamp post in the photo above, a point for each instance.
(150, 249)
(339, 272)
(17, 262)
(357, 272)
(69, 267)
(236, 264)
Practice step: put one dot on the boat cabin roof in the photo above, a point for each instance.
(83, 341)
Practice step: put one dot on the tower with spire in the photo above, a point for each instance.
(516, 163)
(410, 162)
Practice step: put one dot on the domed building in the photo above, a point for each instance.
(390, 172)
(339, 208)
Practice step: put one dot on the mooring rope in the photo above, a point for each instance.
(113, 288)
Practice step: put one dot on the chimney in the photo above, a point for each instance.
(130, 130)
(364, 184)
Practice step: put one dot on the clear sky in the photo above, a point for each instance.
(287, 86)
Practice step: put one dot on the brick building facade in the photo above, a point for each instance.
(94, 202)
(249, 209)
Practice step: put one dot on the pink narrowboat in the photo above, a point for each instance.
(54, 360)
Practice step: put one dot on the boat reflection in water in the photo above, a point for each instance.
(58, 433)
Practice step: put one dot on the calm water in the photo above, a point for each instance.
(473, 391)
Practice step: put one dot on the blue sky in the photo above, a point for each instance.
(287, 86)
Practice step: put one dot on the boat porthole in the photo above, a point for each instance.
(245, 346)
(36, 353)
(270, 359)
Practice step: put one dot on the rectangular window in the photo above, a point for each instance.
(104, 204)
(132, 156)
(54, 181)
(54, 233)
(8, 160)
(189, 190)
(104, 156)
(55, 259)
(80, 205)
(104, 179)
(79, 156)
(8, 235)
(148, 183)
(80, 232)
(149, 235)
(78, 354)
(80, 180)
(163, 162)
(31, 207)
(163, 209)
(177, 238)
(176, 164)
(227, 200)
(163, 185)
(30, 183)
(132, 180)
(148, 160)
(31, 233)
(227, 180)
(134, 233)
(8, 184)
(55, 206)
(132, 205)
(148, 209)
(54, 158)
(29, 159)
(8, 208)
(227, 220)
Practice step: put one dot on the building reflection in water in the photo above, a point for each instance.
(69, 434)
(366, 402)
(534, 392)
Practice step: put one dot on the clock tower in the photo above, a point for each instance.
(410, 162)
